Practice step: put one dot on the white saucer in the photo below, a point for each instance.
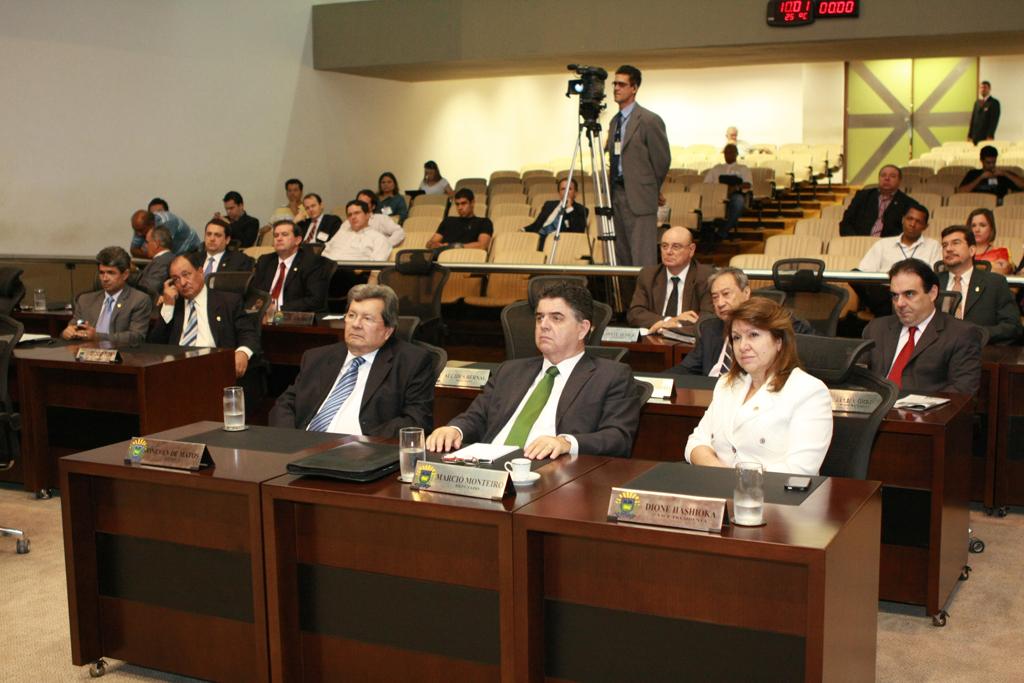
(528, 480)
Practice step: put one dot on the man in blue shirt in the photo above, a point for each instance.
(183, 238)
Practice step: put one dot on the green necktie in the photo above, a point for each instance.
(531, 411)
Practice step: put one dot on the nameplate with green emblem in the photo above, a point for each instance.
(175, 455)
(667, 509)
(90, 355)
(461, 480)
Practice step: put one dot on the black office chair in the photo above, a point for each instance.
(775, 295)
(948, 302)
(12, 290)
(419, 282)
(440, 357)
(833, 361)
(940, 267)
(256, 302)
(230, 281)
(10, 421)
(807, 295)
(643, 392)
(407, 325)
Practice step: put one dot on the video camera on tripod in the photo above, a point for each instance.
(590, 89)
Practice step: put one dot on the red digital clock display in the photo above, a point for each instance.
(802, 12)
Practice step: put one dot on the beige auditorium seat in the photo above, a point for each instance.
(510, 209)
(421, 224)
(954, 172)
(792, 246)
(973, 200)
(430, 200)
(501, 175)
(417, 239)
(1015, 199)
(573, 248)
(478, 185)
(940, 186)
(845, 264)
(513, 223)
(746, 262)
(855, 246)
(683, 206)
(920, 171)
(822, 228)
(833, 212)
(712, 200)
(256, 252)
(1008, 212)
(538, 173)
(537, 201)
(948, 215)
(461, 285)
(929, 200)
(435, 211)
(506, 198)
(503, 289)
(509, 247)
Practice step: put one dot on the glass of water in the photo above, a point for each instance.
(748, 496)
(410, 449)
(39, 300)
(234, 409)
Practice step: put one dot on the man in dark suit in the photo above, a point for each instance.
(986, 297)
(877, 211)
(194, 315)
(297, 279)
(116, 313)
(244, 228)
(373, 383)
(639, 161)
(320, 227)
(920, 348)
(216, 257)
(675, 292)
(573, 220)
(158, 249)
(985, 116)
(565, 401)
(711, 356)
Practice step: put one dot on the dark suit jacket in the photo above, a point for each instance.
(129, 321)
(305, 287)
(708, 348)
(599, 406)
(399, 389)
(245, 230)
(990, 304)
(984, 119)
(329, 223)
(233, 261)
(230, 325)
(153, 276)
(649, 295)
(645, 159)
(575, 221)
(862, 212)
(947, 357)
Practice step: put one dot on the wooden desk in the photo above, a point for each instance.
(39, 322)
(795, 599)
(376, 581)
(1008, 475)
(154, 388)
(652, 353)
(285, 344)
(165, 569)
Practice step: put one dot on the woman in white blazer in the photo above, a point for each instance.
(765, 409)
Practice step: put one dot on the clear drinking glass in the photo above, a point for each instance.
(748, 496)
(410, 449)
(234, 409)
(39, 300)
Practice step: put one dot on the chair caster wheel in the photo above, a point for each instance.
(97, 668)
(22, 546)
(965, 573)
(43, 494)
(988, 511)
(1002, 511)
(939, 618)
(976, 546)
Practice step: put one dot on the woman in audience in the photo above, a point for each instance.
(766, 409)
(433, 183)
(983, 224)
(392, 203)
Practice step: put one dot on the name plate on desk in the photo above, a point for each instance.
(664, 387)
(98, 355)
(461, 480)
(175, 455)
(668, 509)
(464, 377)
(849, 401)
(294, 318)
(622, 335)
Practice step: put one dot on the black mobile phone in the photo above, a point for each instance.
(798, 483)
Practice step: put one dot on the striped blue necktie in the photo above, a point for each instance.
(103, 324)
(192, 328)
(336, 399)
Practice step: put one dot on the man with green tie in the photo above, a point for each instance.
(564, 401)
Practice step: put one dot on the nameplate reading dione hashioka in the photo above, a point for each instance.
(667, 509)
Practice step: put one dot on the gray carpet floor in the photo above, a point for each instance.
(983, 641)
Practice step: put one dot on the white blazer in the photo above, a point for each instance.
(786, 431)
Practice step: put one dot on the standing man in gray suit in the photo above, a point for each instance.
(116, 313)
(564, 401)
(639, 158)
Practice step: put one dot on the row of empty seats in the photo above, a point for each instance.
(962, 152)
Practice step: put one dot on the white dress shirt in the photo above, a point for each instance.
(889, 250)
(905, 337)
(216, 261)
(546, 421)
(668, 290)
(364, 245)
(204, 334)
(346, 420)
(287, 268)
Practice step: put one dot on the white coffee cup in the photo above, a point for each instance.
(519, 467)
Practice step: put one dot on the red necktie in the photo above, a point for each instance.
(896, 374)
(276, 292)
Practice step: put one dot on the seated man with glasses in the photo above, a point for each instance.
(373, 383)
(674, 293)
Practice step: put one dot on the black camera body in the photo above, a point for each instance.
(590, 89)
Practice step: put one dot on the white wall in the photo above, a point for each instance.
(1004, 74)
